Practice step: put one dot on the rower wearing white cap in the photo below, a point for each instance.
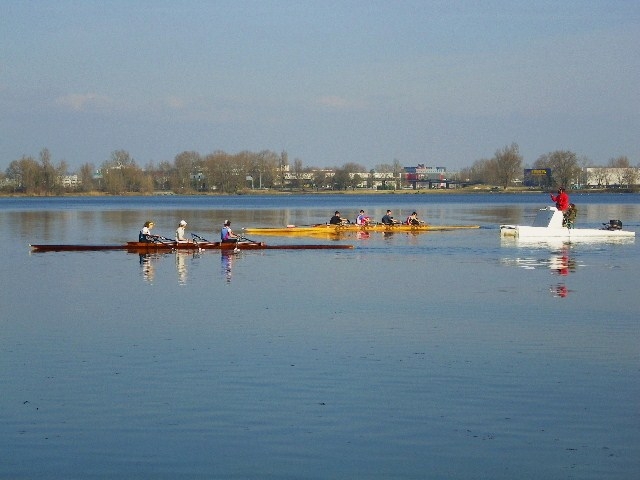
(180, 232)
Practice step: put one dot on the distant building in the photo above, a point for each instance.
(69, 181)
(421, 176)
(537, 177)
(612, 177)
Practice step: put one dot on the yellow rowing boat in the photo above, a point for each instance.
(327, 229)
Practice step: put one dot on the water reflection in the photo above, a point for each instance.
(181, 266)
(499, 214)
(227, 257)
(147, 263)
(561, 265)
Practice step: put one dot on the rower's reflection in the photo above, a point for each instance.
(181, 266)
(227, 257)
(147, 262)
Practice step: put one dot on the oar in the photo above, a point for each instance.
(199, 238)
(242, 237)
(164, 240)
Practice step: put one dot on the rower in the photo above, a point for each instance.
(180, 232)
(227, 235)
(337, 219)
(388, 219)
(413, 219)
(145, 233)
(362, 219)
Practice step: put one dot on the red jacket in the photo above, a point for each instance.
(562, 201)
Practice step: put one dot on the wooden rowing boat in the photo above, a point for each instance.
(327, 229)
(143, 247)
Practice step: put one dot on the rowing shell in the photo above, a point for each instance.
(338, 229)
(190, 246)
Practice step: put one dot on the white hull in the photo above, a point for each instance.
(548, 225)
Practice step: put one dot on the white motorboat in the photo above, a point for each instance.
(548, 226)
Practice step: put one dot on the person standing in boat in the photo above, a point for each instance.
(569, 216)
(413, 219)
(362, 219)
(226, 234)
(562, 199)
(145, 233)
(180, 232)
(388, 219)
(337, 219)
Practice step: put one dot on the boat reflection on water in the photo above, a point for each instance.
(561, 265)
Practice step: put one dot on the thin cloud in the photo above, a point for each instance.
(79, 102)
(336, 102)
(175, 103)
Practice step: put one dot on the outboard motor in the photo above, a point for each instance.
(614, 225)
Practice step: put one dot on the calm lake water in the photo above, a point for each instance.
(435, 355)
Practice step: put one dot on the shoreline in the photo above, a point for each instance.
(457, 191)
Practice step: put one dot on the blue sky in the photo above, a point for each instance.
(443, 83)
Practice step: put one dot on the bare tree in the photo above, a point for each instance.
(121, 174)
(341, 179)
(507, 163)
(320, 179)
(48, 171)
(25, 173)
(600, 176)
(187, 165)
(621, 170)
(267, 163)
(630, 176)
(482, 171)
(619, 162)
(564, 166)
(297, 172)
(86, 177)
(225, 173)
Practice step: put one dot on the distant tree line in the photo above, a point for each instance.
(221, 172)
(566, 168)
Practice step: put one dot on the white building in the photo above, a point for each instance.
(608, 176)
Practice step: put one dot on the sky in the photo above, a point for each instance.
(440, 83)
